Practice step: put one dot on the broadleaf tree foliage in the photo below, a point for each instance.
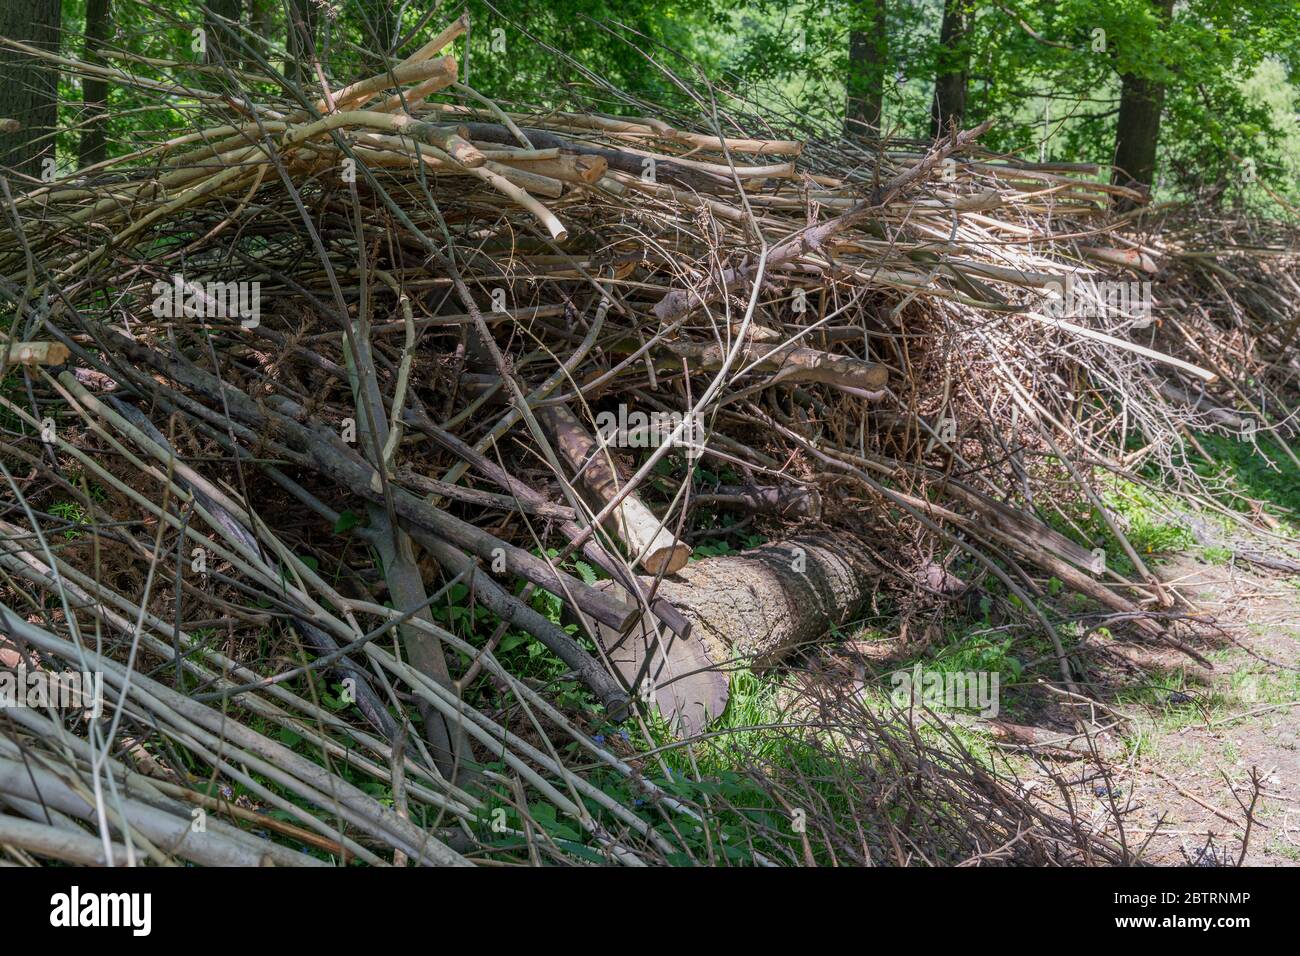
(1170, 94)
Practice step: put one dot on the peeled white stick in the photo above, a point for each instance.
(38, 353)
(435, 45)
(649, 541)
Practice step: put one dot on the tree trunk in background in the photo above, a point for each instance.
(868, 56)
(222, 42)
(94, 92)
(29, 93)
(259, 15)
(301, 40)
(949, 105)
(1138, 131)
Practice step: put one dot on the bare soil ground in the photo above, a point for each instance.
(1193, 765)
(1181, 771)
(1178, 768)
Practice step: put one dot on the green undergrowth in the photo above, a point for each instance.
(1259, 470)
(1240, 474)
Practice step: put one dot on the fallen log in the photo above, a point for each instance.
(583, 170)
(1134, 259)
(747, 610)
(38, 353)
(591, 550)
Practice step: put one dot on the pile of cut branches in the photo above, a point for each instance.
(320, 412)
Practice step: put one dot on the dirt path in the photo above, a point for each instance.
(1189, 755)
(1202, 755)
(1179, 767)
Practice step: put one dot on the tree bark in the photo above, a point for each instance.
(29, 93)
(222, 41)
(94, 91)
(751, 609)
(787, 501)
(1137, 134)
(791, 363)
(868, 56)
(260, 17)
(948, 108)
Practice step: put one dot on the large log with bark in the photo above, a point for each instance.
(751, 609)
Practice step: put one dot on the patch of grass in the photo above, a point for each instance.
(1170, 701)
(1284, 849)
(978, 651)
(1215, 555)
(1144, 519)
(754, 702)
(973, 648)
(1260, 686)
(1259, 470)
(72, 513)
(721, 773)
(1143, 515)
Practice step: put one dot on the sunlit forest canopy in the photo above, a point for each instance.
(1050, 75)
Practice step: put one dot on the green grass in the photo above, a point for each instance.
(1259, 470)
(72, 513)
(1240, 470)
(1144, 517)
(1258, 685)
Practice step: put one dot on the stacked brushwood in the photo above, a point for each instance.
(327, 358)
